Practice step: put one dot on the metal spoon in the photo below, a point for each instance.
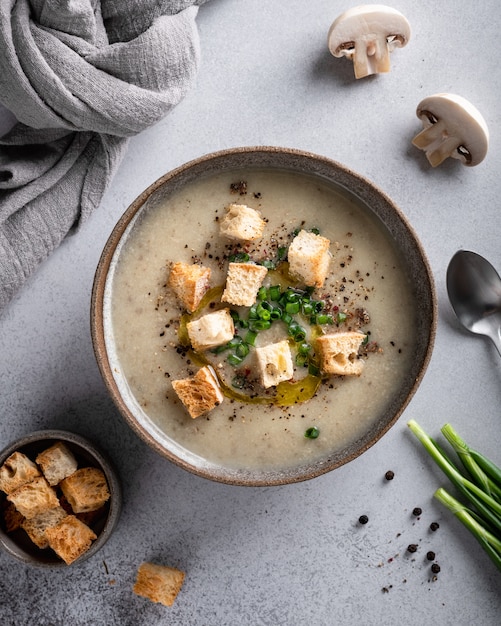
(474, 289)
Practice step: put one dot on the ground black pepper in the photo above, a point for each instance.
(430, 555)
(363, 519)
(417, 511)
(434, 526)
(412, 547)
(435, 568)
(389, 475)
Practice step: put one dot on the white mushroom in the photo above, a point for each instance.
(453, 127)
(367, 34)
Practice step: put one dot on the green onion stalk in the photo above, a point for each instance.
(479, 482)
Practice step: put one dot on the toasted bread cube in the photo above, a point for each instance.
(57, 462)
(190, 283)
(70, 538)
(158, 583)
(242, 283)
(275, 363)
(86, 489)
(11, 516)
(339, 353)
(211, 330)
(199, 394)
(17, 470)
(34, 497)
(36, 526)
(241, 223)
(309, 258)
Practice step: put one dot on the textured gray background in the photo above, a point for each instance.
(289, 555)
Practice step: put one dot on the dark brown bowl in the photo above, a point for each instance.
(17, 543)
(416, 267)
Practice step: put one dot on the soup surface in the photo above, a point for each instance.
(366, 282)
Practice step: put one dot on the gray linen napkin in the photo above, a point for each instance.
(80, 76)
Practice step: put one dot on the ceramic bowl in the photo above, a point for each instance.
(271, 159)
(17, 543)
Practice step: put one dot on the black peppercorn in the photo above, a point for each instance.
(412, 547)
(434, 526)
(389, 475)
(435, 568)
(363, 519)
(430, 555)
(417, 511)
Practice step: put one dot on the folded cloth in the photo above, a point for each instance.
(81, 77)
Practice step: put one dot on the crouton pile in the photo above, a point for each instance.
(53, 500)
(309, 263)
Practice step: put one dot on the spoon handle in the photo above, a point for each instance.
(496, 339)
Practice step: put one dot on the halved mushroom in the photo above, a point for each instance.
(453, 127)
(367, 34)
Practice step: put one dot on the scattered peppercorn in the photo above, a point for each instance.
(430, 555)
(434, 526)
(412, 547)
(363, 519)
(417, 511)
(389, 475)
(435, 568)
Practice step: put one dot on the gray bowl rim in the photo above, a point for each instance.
(327, 169)
(115, 503)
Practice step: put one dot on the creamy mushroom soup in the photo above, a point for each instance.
(366, 289)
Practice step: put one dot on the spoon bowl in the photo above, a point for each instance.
(474, 289)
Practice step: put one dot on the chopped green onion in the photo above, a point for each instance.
(220, 349)
(274, 293)
(276, 313)
(234, 315)
(313, 369)
(341, 317)
(299, 334)
(260, 324)
(324, 319)
(292, 296)
(292, 307)
(242, 350)
(315, 231)
(264, 310)
(262, 293)
(319, 305)
(239, 257)
(238, 381)
(282, 253)
(307, 307)
(312, 432)
(301, 360)
(304, 348)
(250, 337)
(365, 340)
(234, 359)
(253, 312)
(243, 323)
(286, 318)
(232, 343)
(269, 265)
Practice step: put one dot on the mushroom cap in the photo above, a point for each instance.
(366, 20)
(452, 127)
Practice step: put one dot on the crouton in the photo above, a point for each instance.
(274, 362)
(158, 583)
(309, 258)
(199, 394)
(211, 330)
(242, 283)
(338, 353)
(36, 526)
(11, 516)
(190, 283)
(57, 462)
(241, 223)
(86, 489)
(34, 497)
(17, 470)
(70, 538)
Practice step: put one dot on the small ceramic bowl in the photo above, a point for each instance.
(184, 219)
(17, 543)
